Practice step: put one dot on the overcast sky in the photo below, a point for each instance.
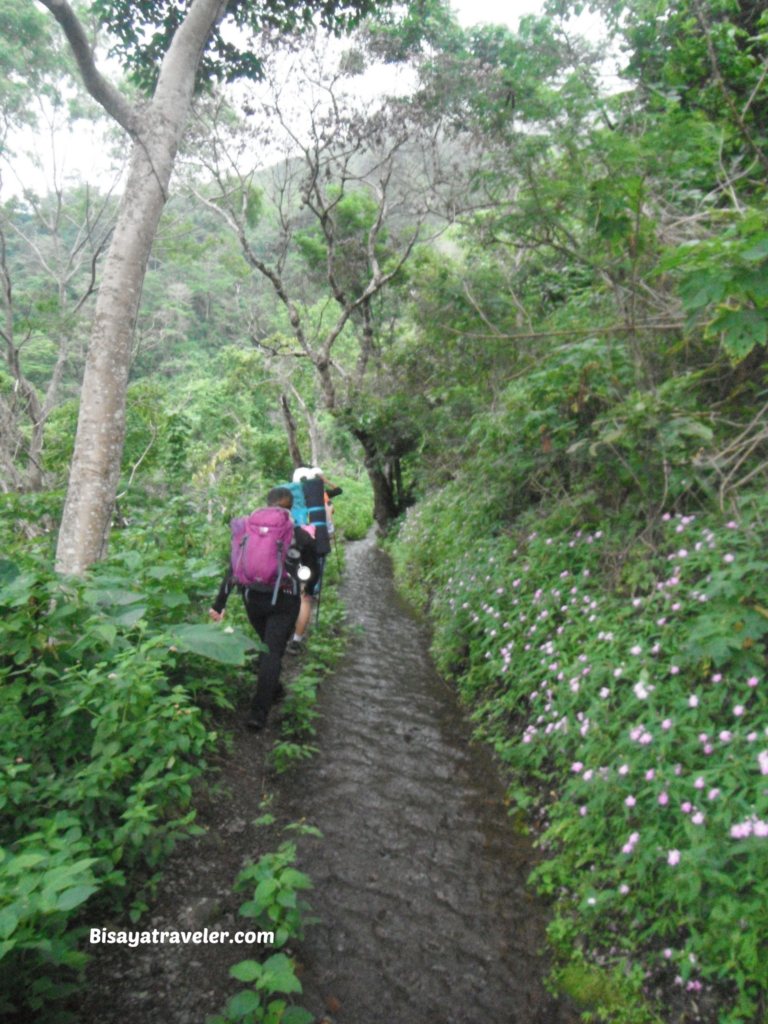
(494, 12)
(81, 155)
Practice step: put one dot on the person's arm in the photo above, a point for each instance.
(330, 489)
(217, 609)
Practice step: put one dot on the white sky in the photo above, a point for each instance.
(494, 12)
(81, 155)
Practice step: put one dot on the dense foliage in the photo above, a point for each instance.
(107, 725)
(567, 382)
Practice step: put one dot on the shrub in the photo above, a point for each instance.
(619, 673)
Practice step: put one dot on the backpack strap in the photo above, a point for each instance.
(279, 579)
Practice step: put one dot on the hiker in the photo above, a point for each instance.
(308, 590)
(269, 548)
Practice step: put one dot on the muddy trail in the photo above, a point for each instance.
(419, 881)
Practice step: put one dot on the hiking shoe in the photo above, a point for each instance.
(254, 725)
(280, 693)
(295, 647)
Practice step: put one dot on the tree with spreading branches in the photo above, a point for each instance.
(170, 50)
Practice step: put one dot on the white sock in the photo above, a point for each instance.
(297, 639)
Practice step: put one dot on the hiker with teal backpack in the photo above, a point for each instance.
(267, 553)
(312, 490)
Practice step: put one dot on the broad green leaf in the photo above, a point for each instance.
(159, 572)
(73, 897)
(105, 598)
(19, 590)
(278, 975)
(265, 889)
(246, 970)
(131, 617)
(295, 879)
(8, 921)
(297, 1015)
(753, 283)
(9, 571)
(758, 251)
(742, 330)
(106, 631)
(24, 862)
(242, 1004)
(701, 288)
(212, 642)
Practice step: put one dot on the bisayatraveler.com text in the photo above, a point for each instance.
(155, 937)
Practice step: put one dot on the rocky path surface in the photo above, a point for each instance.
(424, 917)
(420, 878)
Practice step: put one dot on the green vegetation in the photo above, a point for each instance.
(564, 381)
(323, 650)
(588, 376)
(276, 909)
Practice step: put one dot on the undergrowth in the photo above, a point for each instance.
(600, 599)
(320, 655)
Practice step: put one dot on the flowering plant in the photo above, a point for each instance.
(625, 685)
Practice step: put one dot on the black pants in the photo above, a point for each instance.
(274, 623)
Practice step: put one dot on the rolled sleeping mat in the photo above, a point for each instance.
(314, 498)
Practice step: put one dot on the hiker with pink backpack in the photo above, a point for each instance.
(269, 558)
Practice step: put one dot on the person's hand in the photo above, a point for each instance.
(216, 616)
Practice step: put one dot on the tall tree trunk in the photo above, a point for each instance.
(291, 431)
(384, 506)
(100, 434)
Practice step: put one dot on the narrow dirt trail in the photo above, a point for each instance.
(419, 880)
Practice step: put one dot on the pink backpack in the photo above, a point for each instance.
(260, 545)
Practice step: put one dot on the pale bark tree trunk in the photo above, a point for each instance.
(156, 132)
(291, 431)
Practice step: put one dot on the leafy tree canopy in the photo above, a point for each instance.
(143, 32)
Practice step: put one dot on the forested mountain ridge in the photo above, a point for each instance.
(535, 309)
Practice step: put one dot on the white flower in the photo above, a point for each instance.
(229, 629)
(640, 691)
(693, 702)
